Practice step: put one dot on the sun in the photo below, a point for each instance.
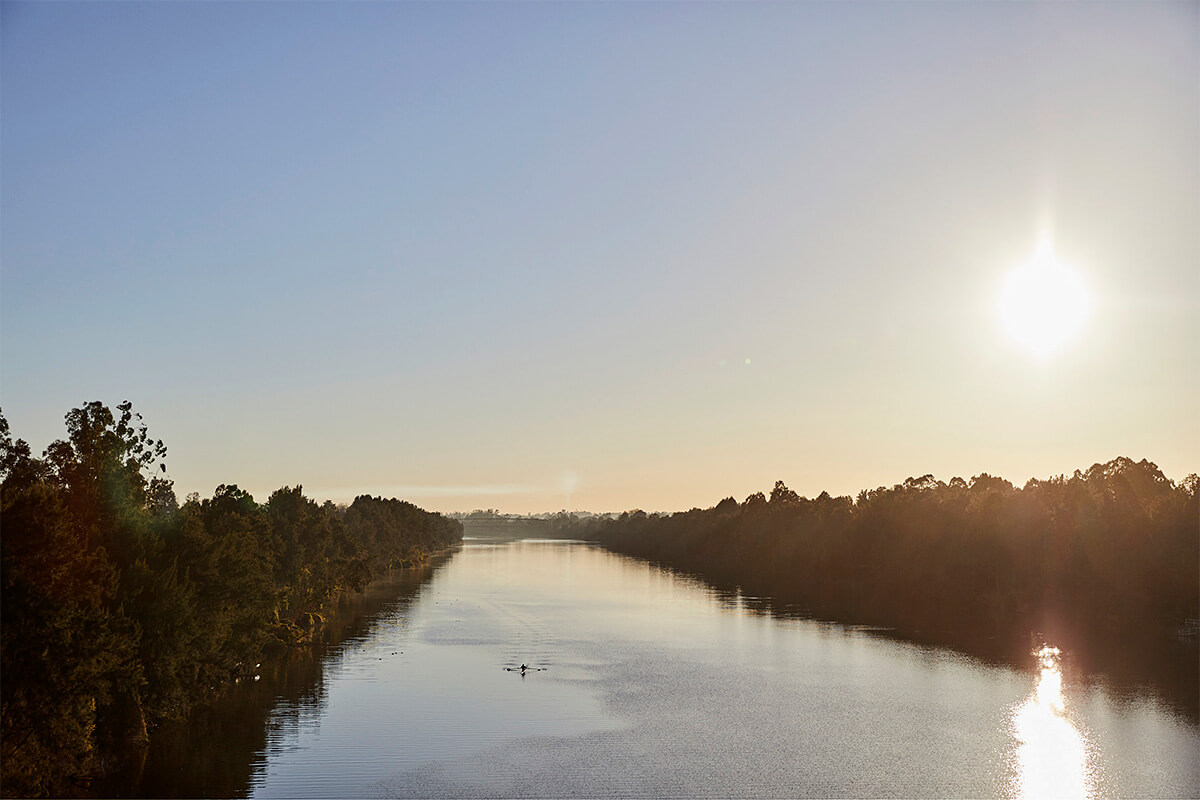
(1043, 303)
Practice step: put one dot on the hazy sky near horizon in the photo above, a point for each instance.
(599, 255)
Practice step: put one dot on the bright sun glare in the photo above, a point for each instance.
(1052, 756)
(1043, 303)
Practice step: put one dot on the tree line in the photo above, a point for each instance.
(122, 608)
(1107, 551)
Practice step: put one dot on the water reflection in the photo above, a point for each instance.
(223, 748)
(658, 685)
(1052, 758)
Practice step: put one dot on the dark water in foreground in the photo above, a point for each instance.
(654, 685)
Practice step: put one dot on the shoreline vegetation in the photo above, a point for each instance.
(1105, 562)
(123, 609)
(213, 752)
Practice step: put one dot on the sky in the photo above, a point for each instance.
(604, 256)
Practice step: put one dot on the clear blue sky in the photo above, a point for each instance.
(611, 255)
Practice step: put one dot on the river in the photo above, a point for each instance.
(643, 683)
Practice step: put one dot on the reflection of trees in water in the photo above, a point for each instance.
(123, 611)
(1133, 666)
(1102, 562)
(216, 751)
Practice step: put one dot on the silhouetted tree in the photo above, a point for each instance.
(1113, 547)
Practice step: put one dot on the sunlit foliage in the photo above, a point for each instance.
(122, 608)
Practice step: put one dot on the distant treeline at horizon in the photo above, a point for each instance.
(1109, 550)
(122, 608)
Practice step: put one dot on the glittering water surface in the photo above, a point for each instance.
(654, 685)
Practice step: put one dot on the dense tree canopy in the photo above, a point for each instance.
(1115, 547)
(122, 608)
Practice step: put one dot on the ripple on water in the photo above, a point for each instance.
(660, 687)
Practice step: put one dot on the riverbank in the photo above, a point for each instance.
(1102, 563)
(122, 610)
(213, 752)
(656, 685)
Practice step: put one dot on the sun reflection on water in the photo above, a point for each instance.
(1052, 758)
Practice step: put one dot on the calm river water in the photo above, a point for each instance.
(653, 685)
